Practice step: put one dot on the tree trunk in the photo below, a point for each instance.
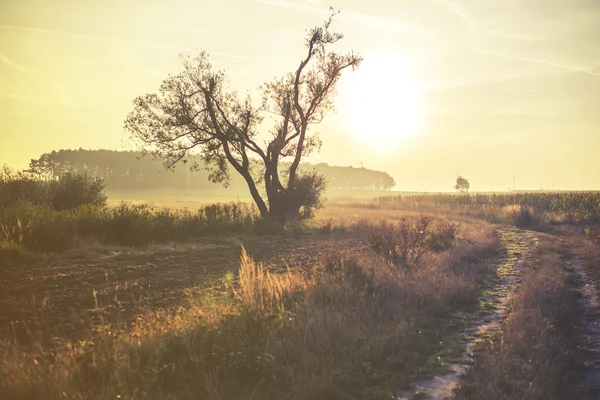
(262, 207)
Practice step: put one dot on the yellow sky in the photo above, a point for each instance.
(492, 88)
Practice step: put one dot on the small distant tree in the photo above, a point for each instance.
(195, 113)
(462, 184)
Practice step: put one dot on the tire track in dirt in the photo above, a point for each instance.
(510, 264)
(589, 387)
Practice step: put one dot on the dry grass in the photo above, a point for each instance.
(350, 328)
(526, 210)
(533, 356)
(405, 243)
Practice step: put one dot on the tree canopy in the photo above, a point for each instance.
(127, 170)
(195, 113)
(462, 184)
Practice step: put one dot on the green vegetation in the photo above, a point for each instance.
(52, 216)
(67, 192)
(348, 328)
(362, 324)
(572, 207)
(195, 113)
(128, 171)
(462, 184)
(401, 295)
(393, 308)
(404, 244)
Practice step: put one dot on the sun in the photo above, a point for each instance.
(378, 105)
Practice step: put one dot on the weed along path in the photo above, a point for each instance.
(494, 303)
(590, 343)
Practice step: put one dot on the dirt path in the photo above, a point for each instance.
(496, 297)
(590, 344)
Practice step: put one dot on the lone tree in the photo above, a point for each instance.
(195, 113)
(462, 184)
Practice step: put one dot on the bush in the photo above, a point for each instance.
(50, 230)
(51, 216)
(73, 190)
(348, 269)
(45, 229)
(91, 221)
(129, 225)
(227, 217)
(167, 225)
(524, 217)
(592, 234)
(306, 195)
(67, 193)
(18, 187)
(404, 244)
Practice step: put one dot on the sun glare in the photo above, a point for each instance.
(377, 104)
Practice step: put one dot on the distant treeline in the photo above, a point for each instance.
(127, 170)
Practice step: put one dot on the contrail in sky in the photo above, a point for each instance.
(458, 9)
(120, 41)
(568, 67)
(5, 60)
(428, 36)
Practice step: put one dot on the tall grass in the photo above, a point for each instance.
(48, 230)
(350, 328)
(571, 207)
(53, 216)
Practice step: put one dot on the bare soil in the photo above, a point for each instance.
(68, 294)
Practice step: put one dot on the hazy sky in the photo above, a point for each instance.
(493, 88)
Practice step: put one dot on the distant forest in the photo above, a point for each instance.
(128, 171)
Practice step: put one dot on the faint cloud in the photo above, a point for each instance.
(426, 35)
(459, 10)
(120, 41)
(534, 90)
(7, 61)
(368, 21)
(556, 64)
(25, 99)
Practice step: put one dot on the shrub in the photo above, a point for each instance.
(129, 225)
(404, 244)
(524, 217)
(73, 190)
(227, 217)
(91, 221)
(19, 187)
(592, 234)
(349, 269)
(443, 236)
(51, 231)
(306, 196)
(166, 226)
